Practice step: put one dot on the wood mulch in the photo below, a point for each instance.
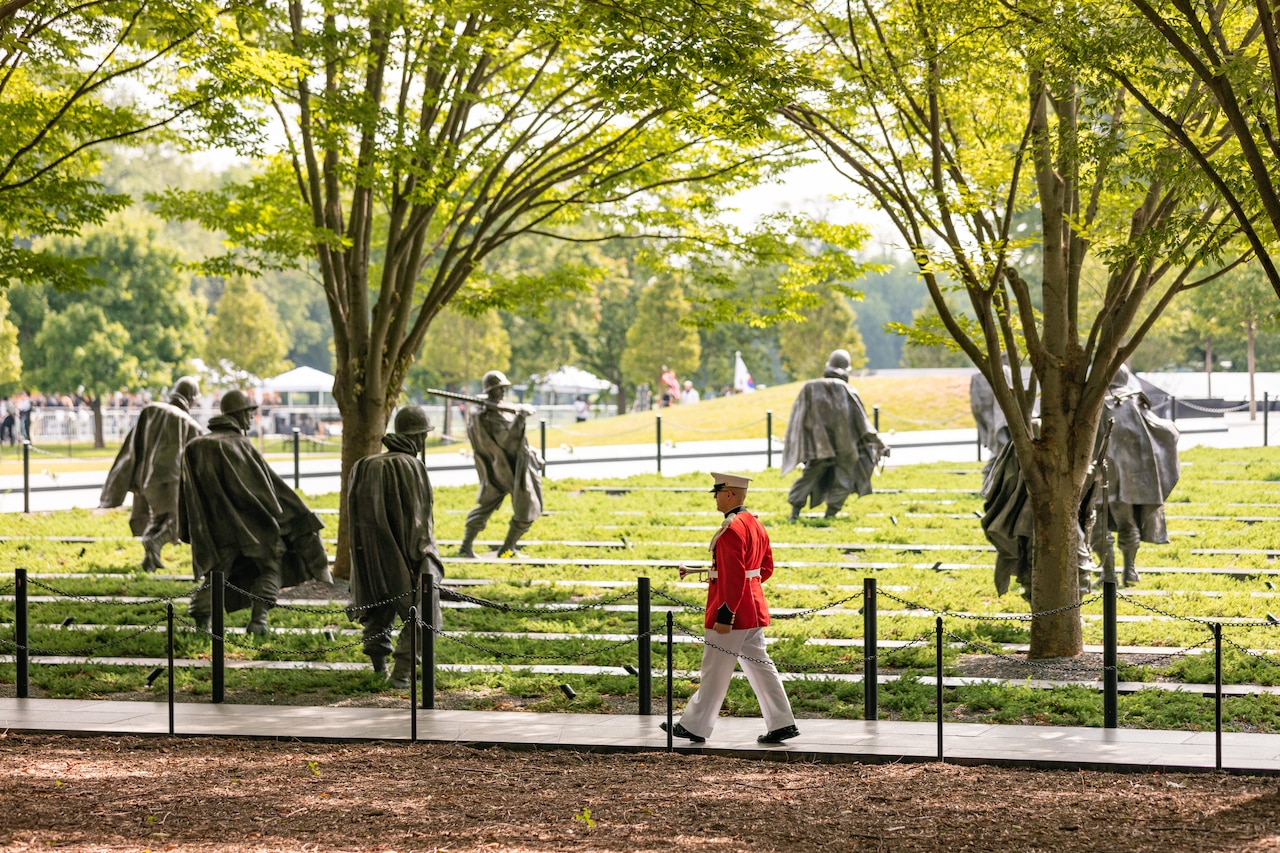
(130, 793)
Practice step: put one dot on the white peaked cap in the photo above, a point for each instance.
(729, 481)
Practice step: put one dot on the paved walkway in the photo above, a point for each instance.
(1054, 747)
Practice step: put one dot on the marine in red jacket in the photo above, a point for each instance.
(742, 560)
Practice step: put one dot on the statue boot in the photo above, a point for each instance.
(509, 544)
(831, 512)
(795, 512)
(467, 548)
(401, 673)
(258, 622)
(379, 661)
(151, 554)
(1130, 566)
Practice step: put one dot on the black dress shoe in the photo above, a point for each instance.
(779, 735)
(680, 731)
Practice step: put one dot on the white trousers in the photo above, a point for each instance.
(703, 710)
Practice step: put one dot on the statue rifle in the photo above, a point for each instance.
(479, 401)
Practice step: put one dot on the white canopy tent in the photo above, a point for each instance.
(302, 386)
(571, 381)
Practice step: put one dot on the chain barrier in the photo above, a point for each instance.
(641, 428)
(345, 610)
(820, 608)
(8, 590)
(1074, 667)
(43, 452)
(1120, 596)
(1210, 410)
(674, 425)
(999, 652)
(111, 601)
(669, 597)
(925, 422)
(1250, 652)
(510, 608)
(1011, 617)
(88, 651)
(802, 667)
(501, 654)
(270, 653)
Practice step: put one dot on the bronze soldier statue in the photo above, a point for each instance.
(506, 464)
(389, 502)
(150, 465)
(243, 520)
(829, 434)
(1143, 468)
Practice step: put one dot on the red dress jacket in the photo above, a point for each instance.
(739, 547)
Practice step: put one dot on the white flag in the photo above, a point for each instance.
(742, 382)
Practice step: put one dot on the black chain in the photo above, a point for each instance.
(679, 601)
(511, 608)
(1010, 617)
(817, 609)
(1250, 652)
(88, 599)
(314, 611)
(89, 650)
(1148, 607)
(823, 668)
(501, 654)
(277, 654)
(1021, 661)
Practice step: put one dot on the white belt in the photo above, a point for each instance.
(751, 573)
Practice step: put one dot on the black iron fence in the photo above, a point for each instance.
(426, 637)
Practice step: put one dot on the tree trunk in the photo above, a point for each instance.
(622, 398)
(1054, 580)
(95, 406)
(364, 422)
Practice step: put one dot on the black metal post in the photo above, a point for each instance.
(429, 594)
(643, 626)
(939, 690)
(21, 632)
(542, 432)
(297, 473)
(413, 673)
(1110, 673)
(671, 692)
(876, 412)
(768, 438)
(219, 624)
(169, 614)
(1173, 408)
(870, 654)
(26, 476)
(1266, 407)
(658, 421)
(1217, 694)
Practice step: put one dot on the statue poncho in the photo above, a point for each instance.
(829, 429)
(242, 519)
(150, 464)
(389, 502)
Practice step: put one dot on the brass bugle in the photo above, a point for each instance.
(685, 571)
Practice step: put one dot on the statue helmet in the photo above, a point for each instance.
(236, 401)
(1123, 378)
(187, 388)
(412, 420)
(494, 379)
(838, 363)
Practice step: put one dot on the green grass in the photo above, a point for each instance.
(654, 526)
